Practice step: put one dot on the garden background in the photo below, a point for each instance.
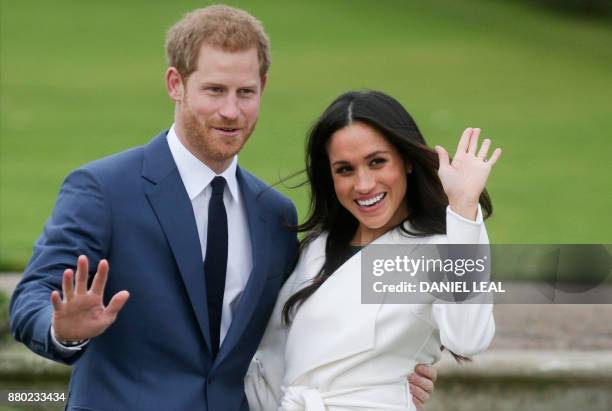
(82, 80)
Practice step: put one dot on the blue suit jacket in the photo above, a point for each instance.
(132, 209)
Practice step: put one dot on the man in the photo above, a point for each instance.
(199, 248)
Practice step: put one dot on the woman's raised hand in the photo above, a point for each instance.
(466, 176)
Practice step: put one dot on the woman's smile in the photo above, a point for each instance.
(370, 204)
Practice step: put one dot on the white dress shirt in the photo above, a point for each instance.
(196, 177)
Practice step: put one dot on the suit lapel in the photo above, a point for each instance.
(171, 204)
(260, 246)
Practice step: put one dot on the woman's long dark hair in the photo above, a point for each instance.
(425, 197)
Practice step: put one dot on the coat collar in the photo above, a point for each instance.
(341, 294)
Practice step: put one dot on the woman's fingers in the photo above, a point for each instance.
(442, 156)
(484, 149)
(496, 154)
(464, 141)
(474, 141)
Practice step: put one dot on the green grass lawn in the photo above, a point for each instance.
(80, 80)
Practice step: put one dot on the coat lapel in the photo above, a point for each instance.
(171, 204)
(344, 325)
(260, 246)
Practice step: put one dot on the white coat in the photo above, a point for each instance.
(339, 354)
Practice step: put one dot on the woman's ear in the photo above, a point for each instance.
(408, 167)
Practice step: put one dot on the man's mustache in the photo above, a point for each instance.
(234, 124)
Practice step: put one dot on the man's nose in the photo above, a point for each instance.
(229, 107)
(364, 181)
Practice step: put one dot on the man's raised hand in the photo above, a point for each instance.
(81, 313)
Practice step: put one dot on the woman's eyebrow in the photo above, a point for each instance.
(367, 157)
(376, 153)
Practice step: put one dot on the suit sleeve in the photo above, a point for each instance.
(465, 329)
(292, 253)
(79, 224)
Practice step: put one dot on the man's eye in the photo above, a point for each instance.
(214, 90)
(247, 92)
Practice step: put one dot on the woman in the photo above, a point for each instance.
(373, 180)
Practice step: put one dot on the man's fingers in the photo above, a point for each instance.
(484, 148)
(464, 141)
(56, 300)
(495, 156)
(418, 394)
(67, 286)
(99, 280)
(474, 141)
(82, 273)
(426, 371)
(116, 303)
(418, 404)
(442, 156)
(423, 383)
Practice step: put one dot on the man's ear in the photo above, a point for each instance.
(264, 81)
(174, 84)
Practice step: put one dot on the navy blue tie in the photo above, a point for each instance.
(215, 262)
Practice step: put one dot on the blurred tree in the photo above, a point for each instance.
(588, 8)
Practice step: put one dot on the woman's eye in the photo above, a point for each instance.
(343, 170)
(378, 161)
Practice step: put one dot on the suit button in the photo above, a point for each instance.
(210, 380)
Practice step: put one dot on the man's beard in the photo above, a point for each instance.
(199, 136)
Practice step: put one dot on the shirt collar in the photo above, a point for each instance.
(195, 174)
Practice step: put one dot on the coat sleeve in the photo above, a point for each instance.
(265, 374)
(261, 395)
(292, 252)
(79, 224)
(264, 378)
(465, 329)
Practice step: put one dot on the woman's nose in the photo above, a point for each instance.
(364, 182)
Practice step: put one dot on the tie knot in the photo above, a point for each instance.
(218, 184)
